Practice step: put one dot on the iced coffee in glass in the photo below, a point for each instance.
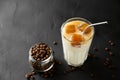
(76, 40)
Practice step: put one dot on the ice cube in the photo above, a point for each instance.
(88, 30)
(77, 38)
(70, 29)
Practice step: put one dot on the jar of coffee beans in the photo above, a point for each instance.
(41, 57)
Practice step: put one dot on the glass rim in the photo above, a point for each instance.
(77, 18)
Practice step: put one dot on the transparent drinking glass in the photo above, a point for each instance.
(76, 55)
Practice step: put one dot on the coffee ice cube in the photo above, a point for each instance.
(77, 38)
(88, 30)
(70, 29)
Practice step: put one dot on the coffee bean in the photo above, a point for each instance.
(37, 45)
(89, 55)
(91, 75)
(43, 59)
(106, 63)
(46, 56)
(94, 56)
(37, 55)
(44, 46)
(38, 59)
(32, 77)
(51, 75)
(28, 75)
(73, 68)
(55, 43)
(64, 72)
(112, 44)
(95, 49)
(59, 62)
(47, 48)
(113, 76)
(109, 41)
(40, 45)
(32, 54)
(48, 52)
(33, 51)
(41, 55)
(106, 49)
(107, 59)
(112, 66)
(110, 53)
(33, 72)
(42, 51)
(45, 76)
(38, 48)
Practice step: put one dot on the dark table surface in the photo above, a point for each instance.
(26, 22)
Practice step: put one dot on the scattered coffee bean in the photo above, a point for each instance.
(112, 66)
(28, 75)
(65, 72)
(112, 44)
(106, 63)
(58, 62)
(45, 76)
(110, 53)
(73, 68)
(33, 72)
(94, 56)
(91, 75)
(95, 49)
(107, 49)
(89, 55)
(70, 69)
(55, 43)
(109, 41)
(82, 68)
(107, 59)
(32, 77)
(113, 76)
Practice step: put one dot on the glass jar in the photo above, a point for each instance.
(41, 66)
(75, 53)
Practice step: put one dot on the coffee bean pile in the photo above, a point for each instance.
(30, 75)
(70, 69)
(47, 74)
(111, 43)
(40, 51)
(108, 63)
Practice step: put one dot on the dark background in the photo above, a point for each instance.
(26, 22)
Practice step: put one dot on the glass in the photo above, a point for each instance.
(76, 55)
(41, 66)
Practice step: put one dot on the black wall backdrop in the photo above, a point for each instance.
(26, 22)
